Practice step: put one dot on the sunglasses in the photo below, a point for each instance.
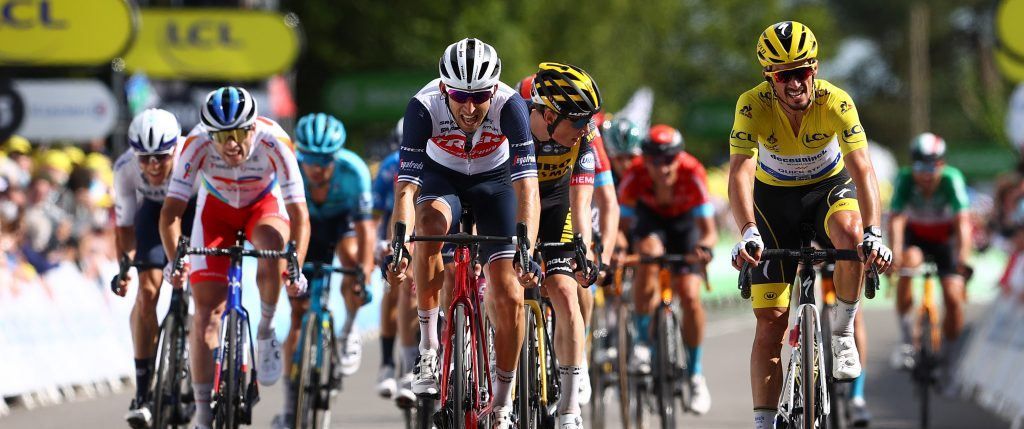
(799, 73)
(238, 135)
(314, 159)
(158, 158)
(476, 97)
(660, 160)
(925, 167)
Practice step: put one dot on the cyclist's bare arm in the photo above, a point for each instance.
(608, 205)
(963, 231)
(366, 236)
(124, 241)
(298, 215)
(741, 196)
(858, 164)
(708, 232)
(580, 198)
(528, 212)
(897, 228)
(170, 224)
(405, 207)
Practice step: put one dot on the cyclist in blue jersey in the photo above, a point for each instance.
(467, 141)
(140, 184)
(337, 185)
(383, 187)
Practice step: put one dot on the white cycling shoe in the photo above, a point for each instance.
(139, 417)
(282, 421)
(425, 382)
(640, 360)
(569, 421)
(700, 397)
(902, 357)
(404, 397)
(386, 384)
(845, 358)
(501, 418)
(351, 353)
(585, 391)
(268, 362)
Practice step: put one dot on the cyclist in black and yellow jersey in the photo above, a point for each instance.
(564, 99)
(798, 156)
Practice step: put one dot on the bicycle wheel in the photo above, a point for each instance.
(459, 382)
(838, 417)
(303, 382)
(526, 383)
(322, 379)
(923, 366)
(623, 345)
(808, 373)
(598, 369)
(664, 366)
(166, 366)
(228, 401)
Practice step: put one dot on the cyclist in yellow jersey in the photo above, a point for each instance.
(798, 157)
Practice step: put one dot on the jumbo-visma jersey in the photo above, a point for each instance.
(830, 130)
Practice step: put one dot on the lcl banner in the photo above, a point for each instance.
(64, 32)
(214, 44)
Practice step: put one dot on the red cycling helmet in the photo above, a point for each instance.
(662, 140)
(525, 87)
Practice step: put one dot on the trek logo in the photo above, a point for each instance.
(742, 135)
(25, 14)
(202, 34)
(856, 129)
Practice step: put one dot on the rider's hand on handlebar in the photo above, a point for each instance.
(297, 287)
(395, 277)
(174, 277)
(704, 253)
(874, 251)
(739, 252)
(120, 285)
(532, 276)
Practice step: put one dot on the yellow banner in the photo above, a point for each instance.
(1012, 66)
(213, 44)
(64, 32)
(1009, 16)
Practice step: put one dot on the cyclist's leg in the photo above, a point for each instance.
(838, 212)
(145, 328)
(408, 338)
(912, 260)
(952, 289)
(648, 238)
(562, 289)
(683, 235)
(267, 228)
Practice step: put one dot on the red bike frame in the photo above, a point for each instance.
(466, 294)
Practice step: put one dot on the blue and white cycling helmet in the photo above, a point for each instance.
(319, 133)
(398, 131)
(154, 131)
(228, 108)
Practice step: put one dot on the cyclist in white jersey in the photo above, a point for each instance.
(249, 180)
(140, 183)
(466, 140)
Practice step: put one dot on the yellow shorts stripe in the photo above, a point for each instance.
(844, 204)
(567, 234)
(770, 295)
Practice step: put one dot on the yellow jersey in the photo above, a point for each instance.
(830, 130)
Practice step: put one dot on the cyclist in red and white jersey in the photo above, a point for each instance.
(248, 179)
(466, 140)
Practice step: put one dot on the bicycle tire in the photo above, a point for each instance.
(664, 366)
(598, 342)
(552, 387)
(808, 375)
(838, 417)
(425, 412)
(165, 373)
(227, 413)
(322, 377)
(301, 382)
(623, 344)
(458, 377)
(925, 360)
(526, 384)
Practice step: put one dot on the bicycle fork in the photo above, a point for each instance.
(787, 396)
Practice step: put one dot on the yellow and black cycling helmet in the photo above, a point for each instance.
(786, 42)
(567, 90)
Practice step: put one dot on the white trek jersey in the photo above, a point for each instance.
(447, 144)
(270, 168)
(131, 187)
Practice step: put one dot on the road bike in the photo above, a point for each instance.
(235, 391)
(465, 372)
(171, 398)
(315, 363)
(804, 400)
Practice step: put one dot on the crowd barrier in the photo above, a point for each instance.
(989, 369)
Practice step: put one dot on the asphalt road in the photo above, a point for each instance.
(727, 349)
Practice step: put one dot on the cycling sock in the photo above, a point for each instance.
(857, 390)
(143, 376)
(502, 387)
(643, 327)
(409, 356)
(569, 376)
(764, 418)
(350, 321)
(204, 414)
(387, 349)
(289, 397)
(843, 314)
(428, 329)
(263, 331)
(907, 327)
(693, 360)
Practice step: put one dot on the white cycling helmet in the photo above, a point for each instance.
(154, 131)
(470, 65)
